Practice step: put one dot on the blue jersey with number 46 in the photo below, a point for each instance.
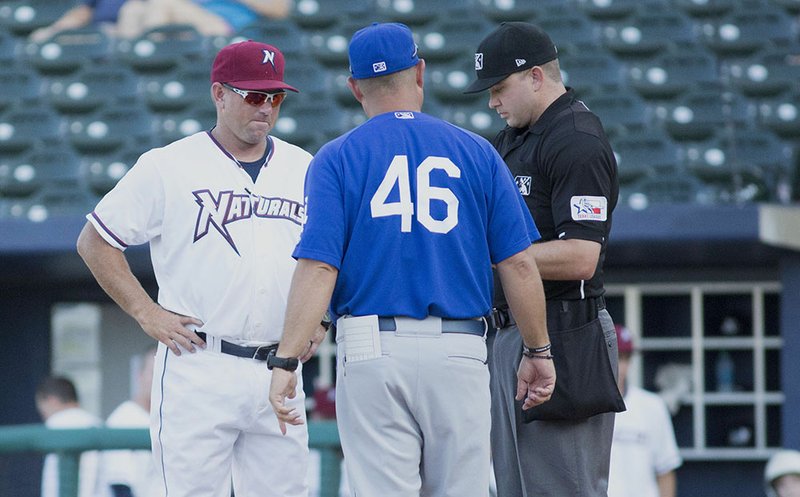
(413, 211)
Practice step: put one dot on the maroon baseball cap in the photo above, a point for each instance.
(624, 339)
(250, 65)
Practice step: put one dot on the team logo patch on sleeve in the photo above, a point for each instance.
(589, 208)
(524, 184)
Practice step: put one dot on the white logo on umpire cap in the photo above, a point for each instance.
(478, 61)
(520, 62)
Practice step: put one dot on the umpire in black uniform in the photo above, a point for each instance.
(565, 169)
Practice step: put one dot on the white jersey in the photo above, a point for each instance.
(134, 468)
(89, 461)
(644, 446)
(198, 210)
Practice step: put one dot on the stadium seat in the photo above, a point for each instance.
(447, 81)
(781, 114)
(9, 48)
(19, 83)
(21, 17)
(23, 126)
(591, 70)
(474, 116)
(28, 172)
(307, 125)
(186, 85)
(171, 126)
(700, 112)
(508, 10)
(743, 165)
(621, 111)
(747, 30)
(329, 46)
(668, 188)
(649, 31)
(705, 8)
(643, 153)
(604, 10)
(767, 73)
(569, 28)
(163, 48)
(291, 40)
(91, 88)
(101, 172)
(68, 51)
(54, 201)
(320, 14)
(307, 75)
(111, 128)
(673, 73)
(454, 36)
(336, 81)
(416, 12)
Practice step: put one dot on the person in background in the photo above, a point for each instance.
(58, 405)
(209, 17)
(644, 453)
(100, 13)
(132, 473)
(782, 474)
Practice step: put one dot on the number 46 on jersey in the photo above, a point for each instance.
(397, 174)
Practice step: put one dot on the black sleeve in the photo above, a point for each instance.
(120, 490)
(581, 175)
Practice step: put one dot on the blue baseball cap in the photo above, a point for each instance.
(381, 49)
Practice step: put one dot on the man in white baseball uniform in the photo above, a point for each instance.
(58, 405)
(132, 473)
(222, 211)
(644, 453)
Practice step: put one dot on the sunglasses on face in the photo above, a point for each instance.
(257, 98)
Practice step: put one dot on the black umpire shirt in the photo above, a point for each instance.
(566, 171)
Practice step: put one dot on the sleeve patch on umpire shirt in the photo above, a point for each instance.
(589, 208)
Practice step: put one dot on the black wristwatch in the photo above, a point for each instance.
(287, 363)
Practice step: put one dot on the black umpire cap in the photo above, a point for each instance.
(511, 47)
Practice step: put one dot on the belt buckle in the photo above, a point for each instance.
(257, 355)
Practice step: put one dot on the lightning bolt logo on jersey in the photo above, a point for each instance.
(227, 207)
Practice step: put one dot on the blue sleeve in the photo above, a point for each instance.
(323, 234)
(511, 227)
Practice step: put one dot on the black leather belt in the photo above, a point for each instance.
(259, 353)
(502, 318)
(468, 326)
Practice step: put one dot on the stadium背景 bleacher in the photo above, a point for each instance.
(693, 72)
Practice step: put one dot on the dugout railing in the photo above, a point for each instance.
(70, 443)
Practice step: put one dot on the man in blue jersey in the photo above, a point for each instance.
(406, 216)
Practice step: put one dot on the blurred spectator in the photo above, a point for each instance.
(644, 453)
(100, 13)
(57, 403)
(782, 474)
(209, 17)
(132, 473)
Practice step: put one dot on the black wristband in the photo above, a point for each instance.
(533, 356)
(528, 352)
